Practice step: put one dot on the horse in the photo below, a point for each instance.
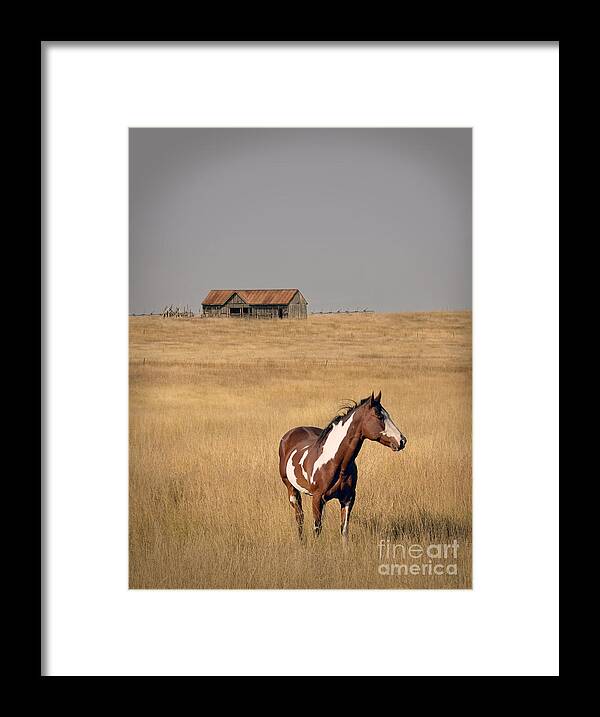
(321, 462)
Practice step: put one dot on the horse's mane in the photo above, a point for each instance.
(345, 409)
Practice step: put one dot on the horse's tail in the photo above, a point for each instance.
(282, 461)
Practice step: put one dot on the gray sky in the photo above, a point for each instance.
(354, 218)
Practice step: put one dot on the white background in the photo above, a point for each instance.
(507, 625)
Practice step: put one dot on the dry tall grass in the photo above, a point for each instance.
(209, 401)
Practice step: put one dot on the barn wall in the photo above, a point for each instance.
(297, 311)
(297, 307)
(265, 312)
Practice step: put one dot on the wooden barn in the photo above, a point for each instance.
(255, 304)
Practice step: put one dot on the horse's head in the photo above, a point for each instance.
(377, 425)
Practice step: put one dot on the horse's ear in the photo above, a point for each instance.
(371, 398)
(378, 397)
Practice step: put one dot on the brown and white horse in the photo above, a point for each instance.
(321, 462)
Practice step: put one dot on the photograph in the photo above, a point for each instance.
(300, 358)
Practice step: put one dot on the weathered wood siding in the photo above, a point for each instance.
(297, 307)
(215, 310)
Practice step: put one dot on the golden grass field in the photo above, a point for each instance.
(209, 401)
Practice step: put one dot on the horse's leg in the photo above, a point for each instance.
(318, 506)
(346, 504)
(296, 501)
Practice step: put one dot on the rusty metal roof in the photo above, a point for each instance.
(218, 297)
